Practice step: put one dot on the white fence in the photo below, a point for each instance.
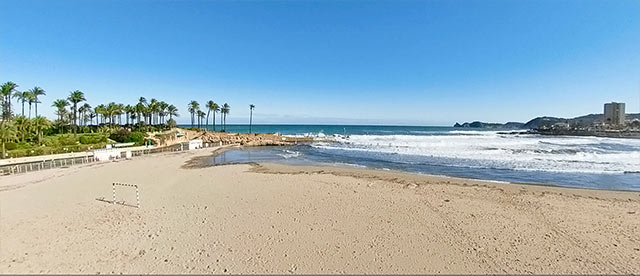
(29, 166)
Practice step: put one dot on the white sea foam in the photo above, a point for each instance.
(483, 149)
(289, 154)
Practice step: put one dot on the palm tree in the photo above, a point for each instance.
(83, 111)
(210, 106)
(87, 110)
(6, 91)
(162, 108)
(7, 133)
(22, 98)
(128, 111)
(119, 112)
(37, 91)
(139, 108)
(39, 125)
(251, 107)
(172, 111)
(22, 125)
(60, 105)
(112, 110)
(215, 108)
(193, 108)
(75, 97)
(201, 116)
(224, 112)
(221, 117)
(100, 111)
(153, 109)
(31, 98)
(92, 115)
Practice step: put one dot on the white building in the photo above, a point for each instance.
(195, 144)
(614, 113)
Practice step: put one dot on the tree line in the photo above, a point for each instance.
(74, 114)
(198, 116)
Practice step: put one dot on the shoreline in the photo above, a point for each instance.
(201, 163)
(272, 218)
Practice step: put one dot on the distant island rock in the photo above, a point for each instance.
(478, 124)
(541, 122)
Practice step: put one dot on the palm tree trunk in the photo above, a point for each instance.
(36, 109)
(75, 113)
(250, 120)
(29, 110)
(207, 125)
(22, 108)
(214, 121)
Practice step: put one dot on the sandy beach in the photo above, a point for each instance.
(271, 218)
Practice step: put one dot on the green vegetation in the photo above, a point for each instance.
(78, 126)
(126, 136)
(56, 143)
(197, 115)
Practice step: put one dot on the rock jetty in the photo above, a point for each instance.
(179, 135)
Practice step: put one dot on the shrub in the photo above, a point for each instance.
(88, 139)
(68, 139)
(24, 145)
(18, 153)
(51, 141)
(137, 137)
(11, 145)
(125, 136)
(120, 136)
(84, 129)
(39, 151)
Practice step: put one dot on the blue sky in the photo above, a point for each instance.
(355, 62)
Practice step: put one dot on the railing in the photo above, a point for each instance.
(45, 164)
(53, 163)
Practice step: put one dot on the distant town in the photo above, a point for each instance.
(613, 122)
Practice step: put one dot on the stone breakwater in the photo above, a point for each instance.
(178, 135)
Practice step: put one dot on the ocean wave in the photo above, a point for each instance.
(492, 150)
(289, 154)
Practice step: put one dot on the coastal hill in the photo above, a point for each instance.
(478, 124)
(543, 121)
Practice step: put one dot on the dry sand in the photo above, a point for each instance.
(279, 219)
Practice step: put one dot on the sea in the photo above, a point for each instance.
(566, 161)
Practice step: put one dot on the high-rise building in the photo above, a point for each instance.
(614, 113)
